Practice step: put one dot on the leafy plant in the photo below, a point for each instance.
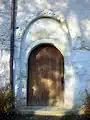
(5, 101)
(87, 104)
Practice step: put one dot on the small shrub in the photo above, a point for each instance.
(5, 101)
(87, 104)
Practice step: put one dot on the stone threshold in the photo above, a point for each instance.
(43, 110)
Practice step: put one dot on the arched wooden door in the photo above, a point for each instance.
(45, 76)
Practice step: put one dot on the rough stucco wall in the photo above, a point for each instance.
(5, 16)
(77, 13)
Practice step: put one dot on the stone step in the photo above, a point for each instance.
(43, 110)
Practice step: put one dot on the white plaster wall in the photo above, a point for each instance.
(81, 62)
(5, 20)
(77, 14)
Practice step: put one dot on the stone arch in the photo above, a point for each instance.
(44, 41)
(61, 44)
(45, 14)
(51, 16)
(59, 18)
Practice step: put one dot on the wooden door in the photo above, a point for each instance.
(46, 76)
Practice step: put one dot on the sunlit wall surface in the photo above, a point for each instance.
(5, 20)
(73, 44)
(71, 37)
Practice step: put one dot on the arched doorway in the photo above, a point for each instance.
(45, 76)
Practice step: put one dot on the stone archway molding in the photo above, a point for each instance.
(25, 49)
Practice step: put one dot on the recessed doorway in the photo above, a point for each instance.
(45, 76)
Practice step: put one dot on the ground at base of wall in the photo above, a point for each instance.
(15, 116)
